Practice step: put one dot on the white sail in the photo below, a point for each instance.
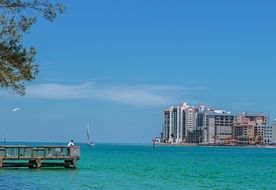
(90, 142)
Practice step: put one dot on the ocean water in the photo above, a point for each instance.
(117, 167)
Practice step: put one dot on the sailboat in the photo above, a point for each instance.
(90, 142)
(3, 138)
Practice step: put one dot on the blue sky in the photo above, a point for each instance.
(118, 64)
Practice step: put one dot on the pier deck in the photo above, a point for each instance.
(39, 156)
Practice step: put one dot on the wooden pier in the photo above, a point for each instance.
(39, 156)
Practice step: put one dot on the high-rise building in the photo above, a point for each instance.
(171, 130)
(198, 133)
(178, 121)
(219, 126)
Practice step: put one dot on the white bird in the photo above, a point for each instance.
(16, 109)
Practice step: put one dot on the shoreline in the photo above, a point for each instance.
(213, 145)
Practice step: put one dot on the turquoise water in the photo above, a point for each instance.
(140, 167)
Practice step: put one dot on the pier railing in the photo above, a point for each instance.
(36, 154)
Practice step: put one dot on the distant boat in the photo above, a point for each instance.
(3, 138)
(90, 142)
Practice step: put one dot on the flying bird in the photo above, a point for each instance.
(16, 109)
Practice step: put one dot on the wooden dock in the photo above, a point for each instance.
(39, 156)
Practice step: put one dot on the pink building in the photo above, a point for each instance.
(250, 125)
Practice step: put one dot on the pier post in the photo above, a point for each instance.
(35, 163)
(1, 163)
(31, 164)
(70, 163)
(38, 162)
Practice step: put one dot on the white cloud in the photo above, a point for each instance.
(136, 95)
(58, 91)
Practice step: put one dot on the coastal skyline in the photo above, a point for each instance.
(117, 66)
(188, 124)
